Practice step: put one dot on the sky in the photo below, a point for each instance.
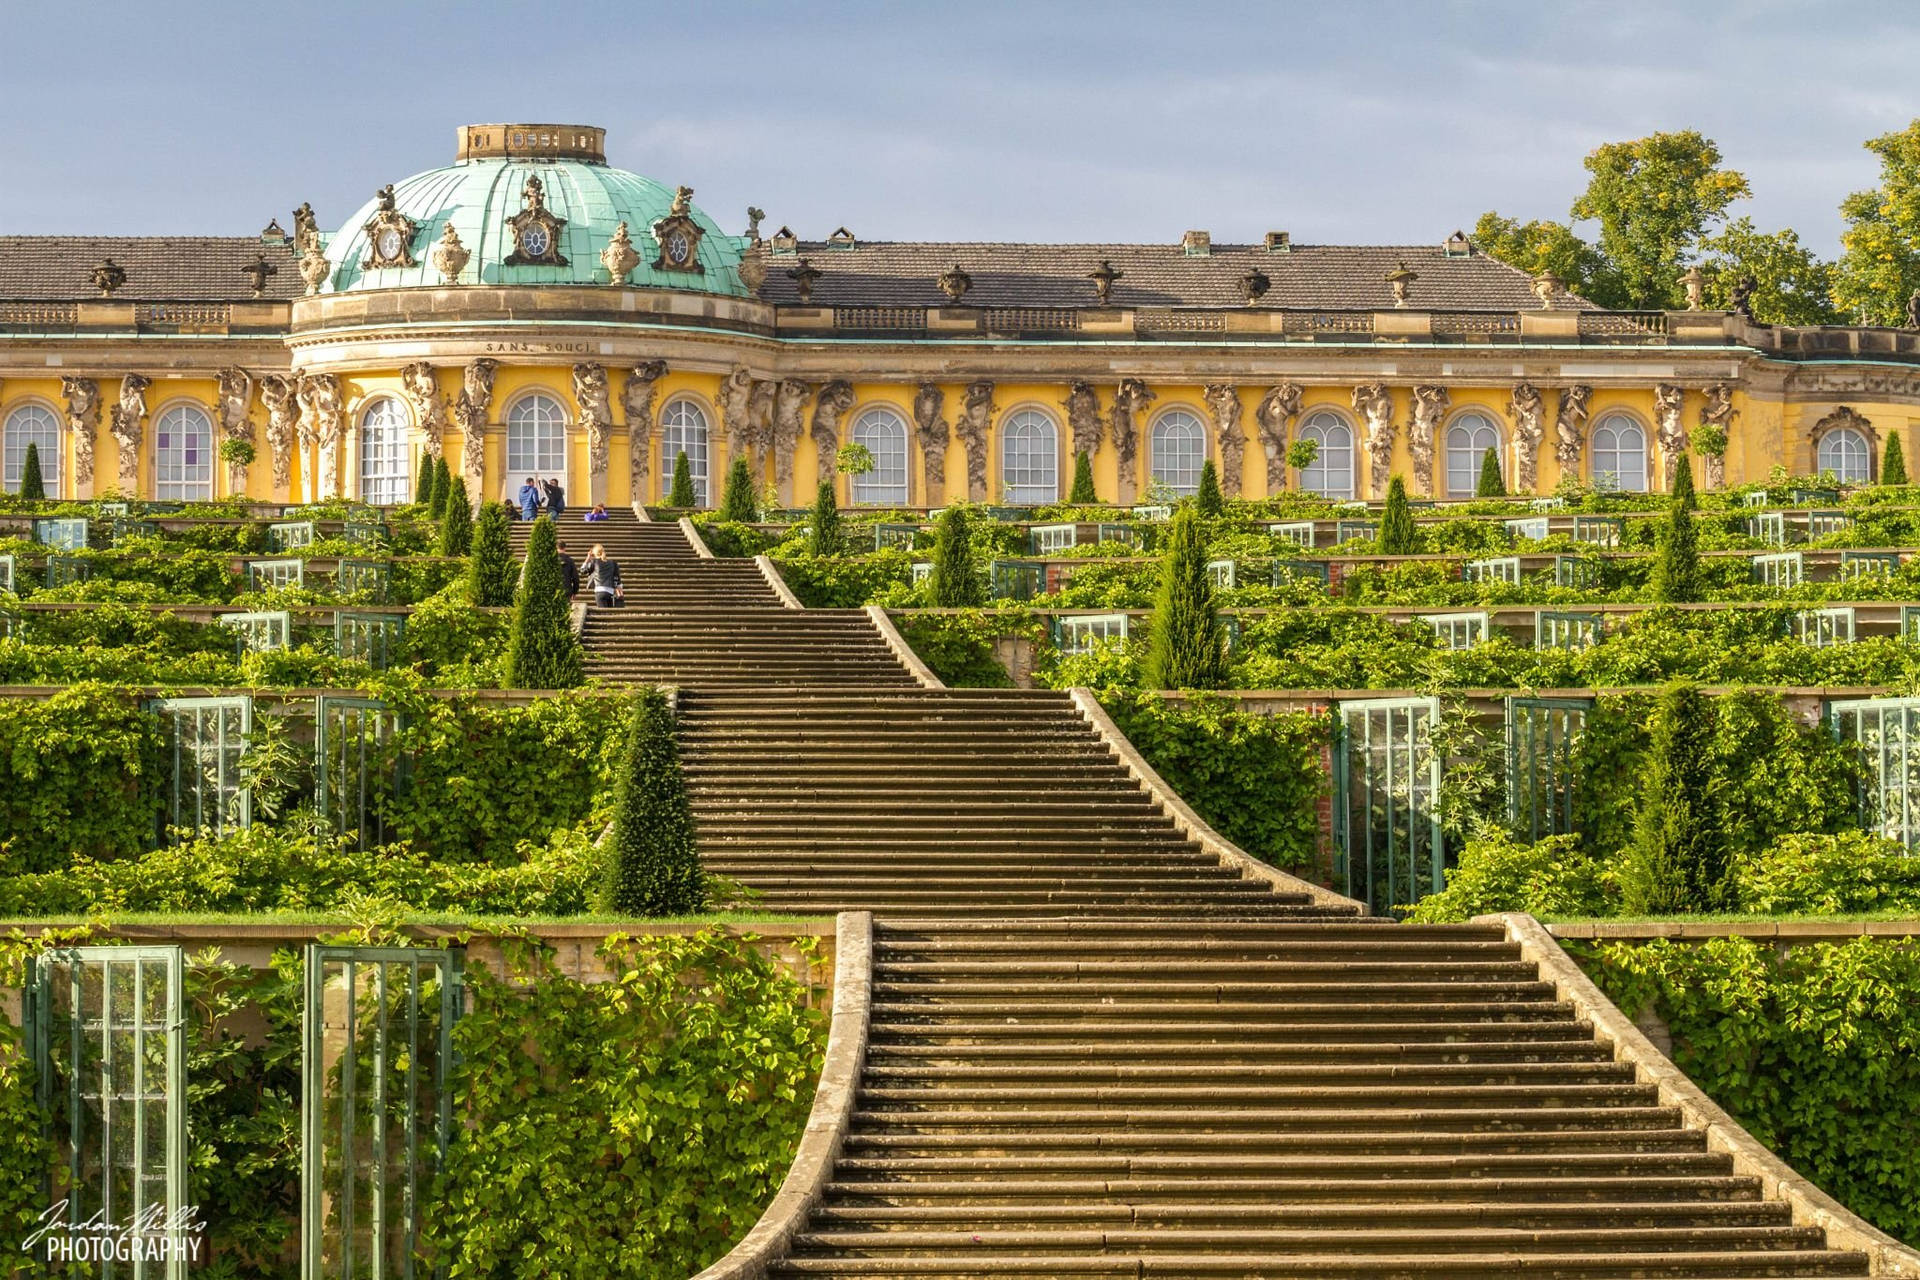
(1341, 121)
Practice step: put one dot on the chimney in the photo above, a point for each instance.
(1279, 242)
(1197, 244)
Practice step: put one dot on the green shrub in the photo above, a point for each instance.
(1676, 573)
(1208, 499)
(33, 486)
(1083, 492)
(456, 522)
(455, 644)
(823, 531)
(1398, 534)
(960, 647)
(1828, 874)
(429, 474)
(490, 571)
(76, 774)
(681, 492)
(1893, 465)
(1491, 484)
(1188, 647)
(737, 500)
(653, 864)
(442, 489)
(1554, 878)
(1678, 860)
(954, 582)
(542, 652)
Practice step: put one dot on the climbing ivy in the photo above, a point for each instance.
(73, 775)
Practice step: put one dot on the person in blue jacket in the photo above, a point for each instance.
(529, 500)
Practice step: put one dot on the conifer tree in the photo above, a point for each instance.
(953, 583)
(423, 491)
(681, 493)
(456, 523)
(1676, 569)
(442, 484)
(542, 651)
(32, 484)
(1491, 484)
(1188, 649)
(1893, 464)
(1678, 859)
(1083, 492)
(1398, 536)
(653, 861)
(1208, 498)
(823, 537)
(736, 501)
(490, 571)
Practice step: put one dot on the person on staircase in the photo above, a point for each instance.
(569, 571)
(599, 512)
(603, 575)
(556, 500)
(529, 497)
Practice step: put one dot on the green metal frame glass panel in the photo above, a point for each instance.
(1008, 515)
(1568, 630)
(1223, 573)
(1113, 532)
(1813, 497)
(1345, 530)
(161, 508)
(107, 1028)
(1599, 531)
(362, 579)
(1576, 572)
(129, 527)
(1758, 498)
(1017, 579)
(1458, 630)
(1768, 526)
(61, 534)
(1547, 504)
(372, 638)
(1543, 735)
(205, 740)
(1230, 622)
(1780, 569)
(366, 533)
(1858, 564)
(1910, 622)
(352, 768)
(6, 574)
(1822, 523)
(1886, 732)
(1388, 849)
(1532, 528)
(268, 575)
(1046, 539)
(259, 632)
(1285, 571)
(291, 535)
(12, 625)
(1824, 628)
(900, 536)
(1496, 569)
(114, 508)
(920, 571)
(62, 570)
(1299, 532)
(375, 1114)
(1152, 511)
(1079, 633)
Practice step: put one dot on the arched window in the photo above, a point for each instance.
(183, 454)
(383, 453)
(1178, 449)
(884, 433)
(1029, 458)
(1331, 475)
(1619, 454)
(32, 424)
(683, 429)
(1844, 452)
(1468, 439)
(536, 440)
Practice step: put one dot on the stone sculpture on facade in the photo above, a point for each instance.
(1570, 427)
(736, 391)
(1529, 414)
(83, 424)
(594, 399)
(320, 423)
(929, 405)
(470, 413)
(974, 427)
(1223, 402)
(448, 256)
(636, 401)
(423, 393)
(1130, 399)
(1428, 405)
(1083, 417)
(752, 268)
(1274, 420)
(314, 267)
(128, 425)
(1717, 412)
(236, 422)
(789, 424)
(834, 400)
(1374, 403)
(279, 392)
(760, 425)
(620, 257)
(1670, 433)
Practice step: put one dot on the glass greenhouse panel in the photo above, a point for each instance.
(1017, 579)
(900, 536)
(1859, 564)
(269, 575)
(1458, 630)
(259, 632)
(1285, 571)
(1575, 572)
(1543, 735)
(353, 771)
(1769, 527)
(124, 527)
(1118, 533)
(366, 533)
(1886, 732)
(1497, 569)
(1781, 569)
(1345, 530)
(1046, 539)
(61, 535)
(1822, 523)
(7, 564)
(1299, 532)
(1223, 573)
(205, 739)
(1388, 848)
(1532, 528)
(1599, 531)
(1077, 635)
(363, 579)
(1552, 630)
(291, 535)
(1152, 511)
(1824, 628)
(62, 570)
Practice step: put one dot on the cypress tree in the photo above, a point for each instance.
(442, 483)
(824, 532)
(1678, 859)
(1208, 498)
(1893, 465)
(1082, 492)
(1189, 647)
(542, 651)
(490, 572)
(681, 495)
(1683, 485)
(1398, 536)
(1676, 571)
(32, 486)
(456, 523)
(423, 491)
(953, 583)
(736, 500)
(1491, 484)
(653, 862)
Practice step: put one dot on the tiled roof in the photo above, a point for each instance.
(159, 268)
(1316, 277)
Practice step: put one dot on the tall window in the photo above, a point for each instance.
(1843, 451)
(183, 454)
(31, 424)
(536, 440)
(1619, 454)
(1178, 449)
(1468, 439)
(884, 433)
(383, 453)
(683, 429)
(1029, 458)
(1331, 475)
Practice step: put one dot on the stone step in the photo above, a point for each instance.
(930, 1075)
(1409, 1195)
(1717, 1266)
(1212, 1034)
(1198, 1052)
(1455, 1238)
(905, 1169)
(1161, 1133)
(946, 996)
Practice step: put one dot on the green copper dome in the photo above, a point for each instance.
(487, 187)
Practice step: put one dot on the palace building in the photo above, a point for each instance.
(530, 310)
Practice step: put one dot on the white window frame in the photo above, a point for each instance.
(1078, 634)
(1532, 528)
(1616, 438)
(1332, 473)
(536, 429)
(1459, 630)
(1495, 569)
(31, 422)
(883, 432)
(1177, 450)
(1845, 452)
(1029, 457)
(174, 479)
(685, 428)
(386, 453)
(1463, 476)
(1048, 539)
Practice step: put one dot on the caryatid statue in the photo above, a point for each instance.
(828, 409)
(974, 426)
(280, 393)
(789, 424)
(470, 415)
(1083, 418)
(636, 401)
(1130, 399)
(736, 391)
(1529, 413)
(1275, 418)
(1428, 404)
(423, 393)
(128, 424)
(760, 403)
(1374, 403)
(594, 400)
(1669, 429)
(929, 405)
(236, 421)
(320, 422)
(1717, 411)
(1223, 401)
(1570, 427)
(83, 423)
